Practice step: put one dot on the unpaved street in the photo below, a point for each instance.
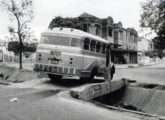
(39, 104)
(41, 99)
(148, 74)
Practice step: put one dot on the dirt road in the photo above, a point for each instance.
(39, 104)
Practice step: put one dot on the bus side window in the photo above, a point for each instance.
(93, 45)
(86, 44)
(104, 48)
(98, 47)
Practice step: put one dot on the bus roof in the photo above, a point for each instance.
(73, 32)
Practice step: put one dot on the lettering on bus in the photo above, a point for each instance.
(55, 57)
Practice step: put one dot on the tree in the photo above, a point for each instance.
(21, 13)
(153, 16)
(65, 22)
(27, 47)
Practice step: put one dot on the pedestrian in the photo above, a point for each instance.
(112, 69)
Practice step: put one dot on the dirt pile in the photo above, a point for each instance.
(11, 74)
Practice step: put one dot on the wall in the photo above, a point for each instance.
(145, 45)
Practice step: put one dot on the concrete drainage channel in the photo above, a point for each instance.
(138, 98)
(144, 99)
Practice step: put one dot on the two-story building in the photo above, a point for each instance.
(125, 45)
(123, 41)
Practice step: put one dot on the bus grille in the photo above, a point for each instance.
(54, 69)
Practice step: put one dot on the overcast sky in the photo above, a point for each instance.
(126, 11)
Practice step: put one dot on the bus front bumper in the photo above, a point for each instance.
(61, 70)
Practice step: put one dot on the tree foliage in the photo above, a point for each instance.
(27, 47)
(20, 13)
(65, 22)
(153, 16)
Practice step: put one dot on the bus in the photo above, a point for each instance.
(71, 52)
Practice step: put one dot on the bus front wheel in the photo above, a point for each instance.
(54, 77)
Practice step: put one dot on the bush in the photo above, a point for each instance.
(27, 47)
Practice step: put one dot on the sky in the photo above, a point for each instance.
(126, 11)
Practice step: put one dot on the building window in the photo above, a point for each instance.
(121, 35)
(97, 31)
(110, 32)
(116, 37)
(131, 37)
(85, 27)
(135, 39)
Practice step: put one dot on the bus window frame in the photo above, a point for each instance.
(103, 47)
(98, 43)
(79, 42)
(89, 41)
(93, 42)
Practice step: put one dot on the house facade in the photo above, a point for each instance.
(123, 41)
(145, 45)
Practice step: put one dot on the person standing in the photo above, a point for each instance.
(112, 69)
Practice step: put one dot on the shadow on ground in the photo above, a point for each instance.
(72, 82)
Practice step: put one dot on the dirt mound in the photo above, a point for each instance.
(11, 74)
(146, 100)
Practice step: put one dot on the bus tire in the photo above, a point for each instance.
(54, 77)
(92, 75)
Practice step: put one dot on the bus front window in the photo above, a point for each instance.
(56, 40)
(75, 42)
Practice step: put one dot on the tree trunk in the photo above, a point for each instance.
(20, 52)
(20, 59)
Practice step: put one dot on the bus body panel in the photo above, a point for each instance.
(94, 61)
(69, 58)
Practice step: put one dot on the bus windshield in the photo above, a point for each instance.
(60, 40)
(55, 40)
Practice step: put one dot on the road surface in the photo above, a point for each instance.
(39, 104)
(147, 74)
(41, 99)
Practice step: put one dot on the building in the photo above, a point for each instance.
(146, 51)
(123, 41)
(145, 45)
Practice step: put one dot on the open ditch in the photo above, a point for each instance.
(147, 98)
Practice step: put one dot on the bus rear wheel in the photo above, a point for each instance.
(54, 77)
(91, 77)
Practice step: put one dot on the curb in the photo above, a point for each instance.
(4, 83)
(139, 65)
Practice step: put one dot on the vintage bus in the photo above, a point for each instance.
(71, 52)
